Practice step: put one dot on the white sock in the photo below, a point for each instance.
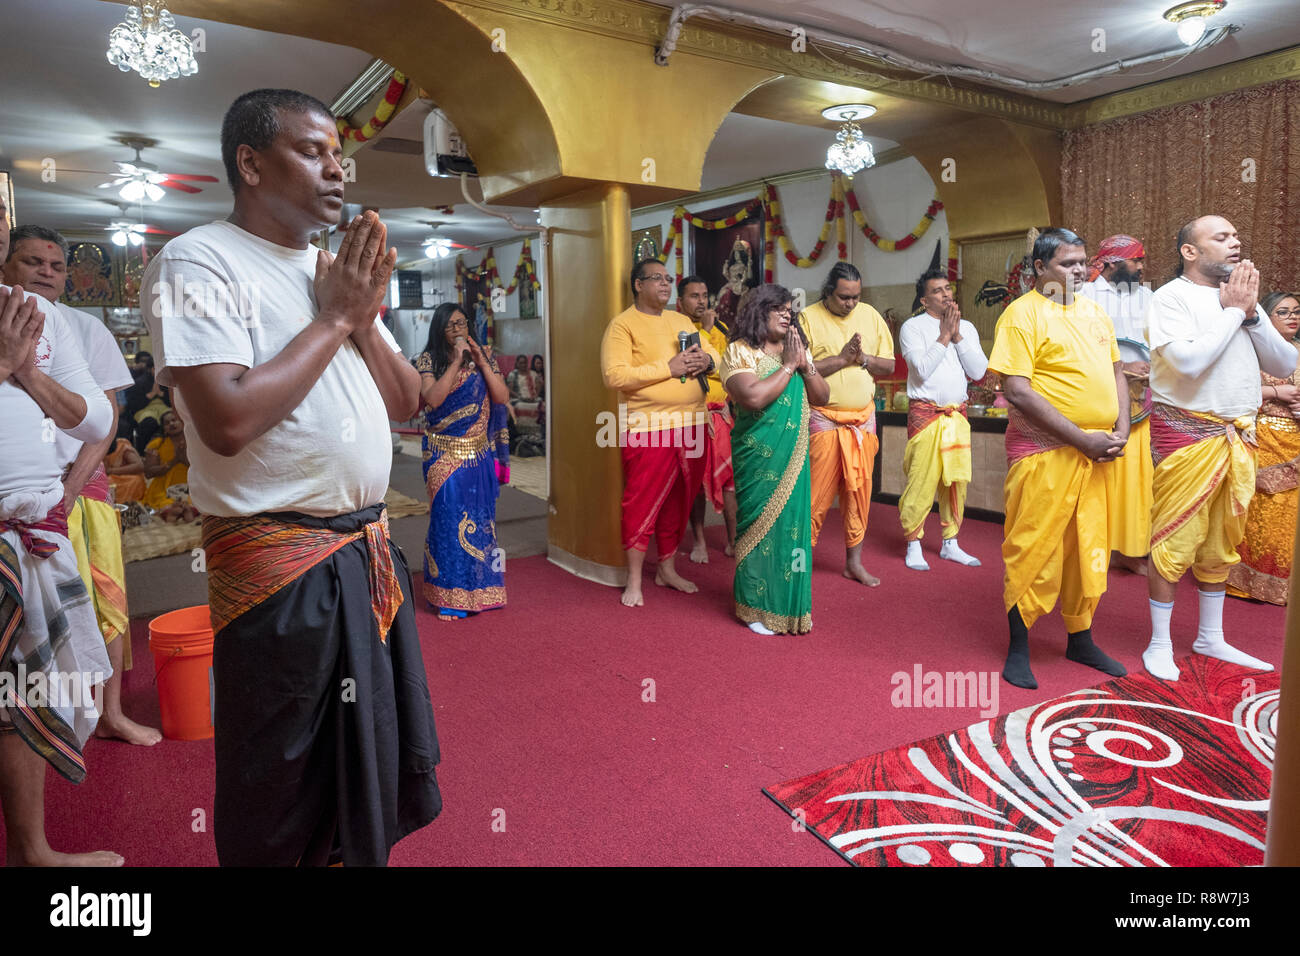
(914, 559)
(1158, 658)
(758, 628)
(1209, 635)
(951, 551)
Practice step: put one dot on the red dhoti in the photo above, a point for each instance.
(662, 472)
(718, 476)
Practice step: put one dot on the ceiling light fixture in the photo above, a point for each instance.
(437, 248)
(850, 153)
(149, 43)
(1190, 18)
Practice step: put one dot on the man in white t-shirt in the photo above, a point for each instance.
(1116, 285)
(51, 651)
(37, 261)
(325, 740)
(942, 351)
(1209, 340)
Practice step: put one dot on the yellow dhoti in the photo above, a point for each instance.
(1056, 536)
(1130, 505)
(1201, 488)
(96, 536)
(938, 454)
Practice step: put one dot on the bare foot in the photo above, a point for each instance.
(121, 727)
(729, 550)
(700, 553)
(669, 578)
(856, 572)
(48, 857)
(632, 595)
(451, 617)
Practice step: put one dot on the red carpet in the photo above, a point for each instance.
(540, 711)
(1136, 772)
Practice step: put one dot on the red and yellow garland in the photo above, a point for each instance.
(383, 112)
(487, 270)
(775, 235)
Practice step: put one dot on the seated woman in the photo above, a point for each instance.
(525, 387)
(1265, 569)
(167, 464)
(465, 446)
(539, 369)
(125, 470)
(769, 375)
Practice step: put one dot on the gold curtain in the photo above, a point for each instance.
(1148, 174)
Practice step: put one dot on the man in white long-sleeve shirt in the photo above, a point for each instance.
(942, 351)
(51, 650)
(1209, 340)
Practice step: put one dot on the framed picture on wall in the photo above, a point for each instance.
(647, 243)
(94, 273)
(729, 260)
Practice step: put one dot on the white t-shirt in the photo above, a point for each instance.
(1126, 305)
(29, 461)
(104, 358)
(219, 294)
(1182, 311)
(938, 373)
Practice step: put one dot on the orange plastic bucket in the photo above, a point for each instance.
(181, 642)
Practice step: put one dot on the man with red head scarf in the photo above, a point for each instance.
(1115, 283)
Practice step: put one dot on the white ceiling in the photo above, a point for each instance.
(60, 99)
(1039, 39)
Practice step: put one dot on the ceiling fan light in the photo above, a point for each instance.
(154, 193)
(119, 238)
(135, 238)
(132, 191)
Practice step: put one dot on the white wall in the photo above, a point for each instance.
(893, 198)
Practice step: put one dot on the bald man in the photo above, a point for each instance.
(1209, 340)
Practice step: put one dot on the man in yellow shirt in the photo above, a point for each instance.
(850, 343)
(1062, 375)
(719, 481)
(662, 415)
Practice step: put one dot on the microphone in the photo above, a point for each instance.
(682, 338)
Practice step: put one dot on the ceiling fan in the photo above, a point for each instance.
(436, 247)
(139, 179)
(126, 230)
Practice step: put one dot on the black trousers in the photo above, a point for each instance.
(325, 741)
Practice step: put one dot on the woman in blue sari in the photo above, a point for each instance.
(466, 458)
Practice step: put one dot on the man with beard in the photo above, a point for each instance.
(1116, 285)
(1209, 340)
(719, 481)
(325, 740)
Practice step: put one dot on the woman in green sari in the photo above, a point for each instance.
(770, 377)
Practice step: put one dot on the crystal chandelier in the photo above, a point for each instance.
(149, 43)
(850, 152)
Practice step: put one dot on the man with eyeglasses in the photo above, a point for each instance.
(1209, 340)
(1115, 284)
(850, 343)
(662, 423)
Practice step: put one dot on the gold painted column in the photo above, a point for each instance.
(587, 274)
(1282, 839)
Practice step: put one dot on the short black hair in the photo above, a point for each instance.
(1050, 240)
(254, 120)
(929, 276)
(689, 280)
(636, 272)
(841, 270)
(1183, 238)
(144, 357)
(43, 233)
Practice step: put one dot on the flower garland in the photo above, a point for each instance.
(383, 112)
(526, 266)
(892, 245)
(834, 214)
(487, 271)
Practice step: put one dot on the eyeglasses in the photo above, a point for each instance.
(1286, 314)
(786, 313)
(458, 324)
(655, 277)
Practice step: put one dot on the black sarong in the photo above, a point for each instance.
(325, 740)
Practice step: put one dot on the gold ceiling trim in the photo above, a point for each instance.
(1256, 71)
(645, 23)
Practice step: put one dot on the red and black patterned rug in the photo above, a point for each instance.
(1135, 772)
